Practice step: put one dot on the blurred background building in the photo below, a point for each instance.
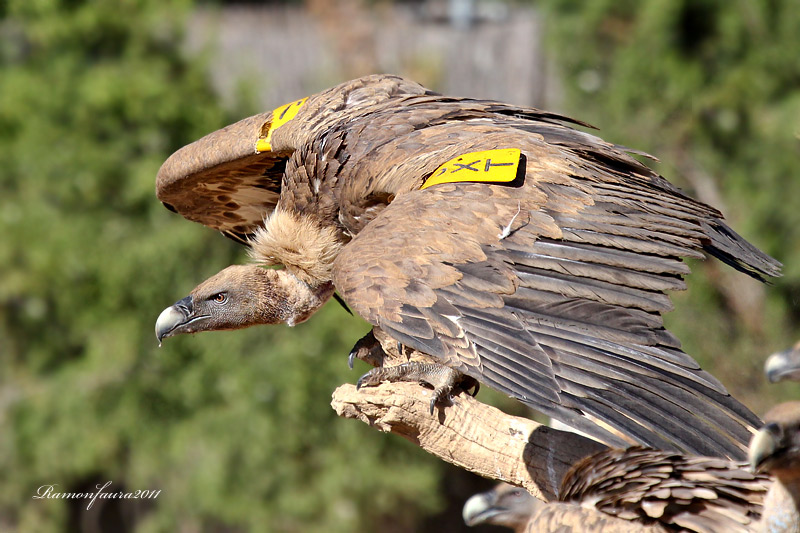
(489, 48)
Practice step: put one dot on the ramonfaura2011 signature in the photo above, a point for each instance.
(49, 492)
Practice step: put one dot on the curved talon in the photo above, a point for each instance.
(373, 377)
(433, 402)
(368, 349)
(476, 389)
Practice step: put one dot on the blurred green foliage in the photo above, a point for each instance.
(235, 429)
(712, 88)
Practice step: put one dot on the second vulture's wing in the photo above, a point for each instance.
(550, 289)
(650, 490)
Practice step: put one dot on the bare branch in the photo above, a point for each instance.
(469, 434)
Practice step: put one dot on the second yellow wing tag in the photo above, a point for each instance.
(492, 166)
(280, 116)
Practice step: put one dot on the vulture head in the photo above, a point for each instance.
(784, 365)
(241, 296)
(775, 448)
(504, 505)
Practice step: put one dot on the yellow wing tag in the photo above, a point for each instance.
(280, 116)
(493, 166)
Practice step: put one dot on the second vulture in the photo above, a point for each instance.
(784, 365)
(496, 239)
(637, 490)
(651, 491)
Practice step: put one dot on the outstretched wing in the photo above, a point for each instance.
(221, 182)
(551, 288)
(230, 180)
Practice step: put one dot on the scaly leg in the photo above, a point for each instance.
(442, 379)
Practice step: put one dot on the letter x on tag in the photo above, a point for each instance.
(490, 166)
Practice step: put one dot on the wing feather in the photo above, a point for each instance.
(643, 486)
(573, 328)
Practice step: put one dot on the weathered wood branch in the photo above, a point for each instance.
(469, 434)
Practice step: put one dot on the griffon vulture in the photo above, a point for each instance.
(784, 365)
(504, 505)
(497, 239)
(653, 491)
(775, 450)
(648, 491)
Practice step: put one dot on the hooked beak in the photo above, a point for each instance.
(177, 318)
(479, 508)
(764, 444)
(781, 366)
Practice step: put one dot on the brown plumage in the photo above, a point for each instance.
(784, 365)
(504, 505)
(549, 287)
(775, 450)
(653, 491)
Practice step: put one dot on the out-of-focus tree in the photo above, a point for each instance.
(712, 88)
(234, 429)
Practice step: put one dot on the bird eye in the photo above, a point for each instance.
(219, 298)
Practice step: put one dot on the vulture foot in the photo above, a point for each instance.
(370, 350)
(442, 379)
